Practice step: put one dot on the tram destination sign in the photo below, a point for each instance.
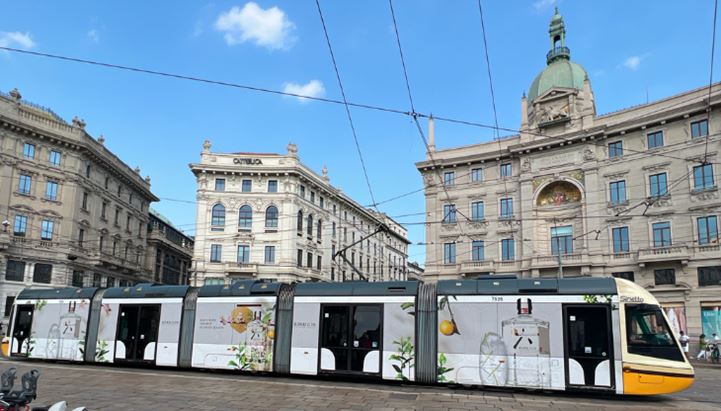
(248, 161)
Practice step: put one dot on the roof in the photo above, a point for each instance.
(56, 293)
(240, 289)
(147, 290)
(503, 285)
(560, 73)
(358, 288)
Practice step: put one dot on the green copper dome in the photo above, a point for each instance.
(561, 71)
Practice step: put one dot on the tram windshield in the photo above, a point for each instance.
(647, 333)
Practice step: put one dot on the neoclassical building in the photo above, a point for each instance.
(269, 216)
(631, 193)
(73, 214)
(169, 252)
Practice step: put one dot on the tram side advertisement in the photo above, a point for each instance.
(60, 326)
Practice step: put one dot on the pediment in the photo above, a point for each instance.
(554, 94)
(50, 213)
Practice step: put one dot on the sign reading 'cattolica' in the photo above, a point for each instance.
(248, 161)
(555, 160)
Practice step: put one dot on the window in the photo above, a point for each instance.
(51, 191)
(449, 253)
(29, 151)
(309, 225)
(81, 237)
(272, 186)
(299, 259)
(24, 184)
(708, 276)
(299, 222)
(15, 270)
(21, 226)
(103, 209)
(9, 301)
(476, 174)
(506, 207)
(508, 249)
(115, 247)
(648, 334)
(87, 170)
(97, 280)
(312, 197)
(217, 218)
(661, 234)
(120, 190)
(615, 149)
(322, 205)
(664, 276)
(620, 240)
(477, 212)
(707, 230)
(345, 233)
(46, 230)
(617, 191)
(319, 262)
(246, 186)
(562, 240)
(302, 191)
(333, 232)
(117, 216)
(699, 128)
(269, 254)
(477, 250)
(85, 201)
(449, 213)
(215, 251)
(626, 275)
(659, 187)
(243, 254)
(54, 157)
(42, 273)
(703, 177)
(219, 184)
(319, 229)
(245, 217)
(449, 178)
(101, 243)
(655, 139)
(506, 170)
(128, 218)
(130, 198)
(309, 260)
(107, 182)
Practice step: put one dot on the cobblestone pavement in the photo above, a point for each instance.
(113, 388)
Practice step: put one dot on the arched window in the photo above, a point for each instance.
(310, 225)
(271, 217)
(245, 217)
(218, 215)
(320, 228)
(300, 221)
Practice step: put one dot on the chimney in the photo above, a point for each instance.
(431, 134)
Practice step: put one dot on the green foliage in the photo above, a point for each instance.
(595, 299)
(41, 304)
(101, 351)
(409, 306)
(405, 356)
(441, 368)
(242, 359)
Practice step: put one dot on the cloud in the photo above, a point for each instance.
(543, 4)
(94, 36)
(313, 88)
(632, 63)
(269, 28)
(15, 38)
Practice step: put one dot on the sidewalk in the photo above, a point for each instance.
(704, 363)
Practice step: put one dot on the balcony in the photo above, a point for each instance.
(707, 250)
(558, 52)
(240, 268)
(4, 241)
(477, 266)
(574, 259)
(659, 254)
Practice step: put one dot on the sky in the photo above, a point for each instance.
(632, 51)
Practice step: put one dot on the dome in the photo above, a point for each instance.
(561, 73)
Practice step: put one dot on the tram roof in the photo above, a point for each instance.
(360, 288)
(513, 286)
(56, 293)
(147, 290)
(240, 288)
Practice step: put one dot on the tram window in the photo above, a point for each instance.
(648, 333)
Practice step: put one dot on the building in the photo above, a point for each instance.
(73, 213)
(169, 252)
(632, 193)
(415, 271)
(269, 216)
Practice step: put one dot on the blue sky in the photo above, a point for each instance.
(630, 50)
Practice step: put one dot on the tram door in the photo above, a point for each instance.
(137, 334)
(589, 347)
(20, 345)
(351, 339)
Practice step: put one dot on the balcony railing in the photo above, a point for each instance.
(240, 267)
(483, 265)
(558, 52)
(669, 253)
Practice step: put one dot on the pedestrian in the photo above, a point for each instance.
(684, 342)
(701, 346)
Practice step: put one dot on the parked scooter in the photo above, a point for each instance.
(19, 400)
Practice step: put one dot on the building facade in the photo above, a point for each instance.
(632, 194)
(269, 216)
(73, 213)
(169, 252)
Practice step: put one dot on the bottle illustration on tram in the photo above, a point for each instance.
(493, 364)
(527, 341)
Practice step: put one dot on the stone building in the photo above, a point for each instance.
(169, 252)
(73, 213)
(631, 193)
(269, 216)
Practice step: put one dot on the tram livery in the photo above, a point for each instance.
(590, 334)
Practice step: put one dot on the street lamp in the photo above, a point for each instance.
(6, 223)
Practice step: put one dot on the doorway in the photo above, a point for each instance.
(21, 344)
(137, 334)
(588, 346)
(351, 339)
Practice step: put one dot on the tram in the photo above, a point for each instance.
(584, 334)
